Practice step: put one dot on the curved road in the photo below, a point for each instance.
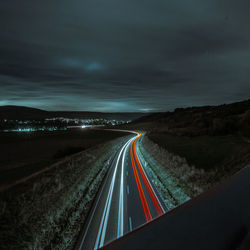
(126, 200)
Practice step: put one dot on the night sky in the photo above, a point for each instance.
(124, 55)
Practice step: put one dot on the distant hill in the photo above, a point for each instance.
(207, 120)
(20, 112)
(27, 113)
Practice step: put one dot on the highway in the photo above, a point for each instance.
(126, 200)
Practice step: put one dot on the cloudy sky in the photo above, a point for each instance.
(117, 55)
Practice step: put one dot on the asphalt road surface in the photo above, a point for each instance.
(126, 200)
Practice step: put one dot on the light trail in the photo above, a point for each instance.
(158, 207)
(118, 181)
(103, 225)
(146, 210)
(83, 238)
(121, 198)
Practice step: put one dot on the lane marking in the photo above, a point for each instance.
(127, 189)
(144, 203)
(127, 172)
(130, 223)
(158, 207)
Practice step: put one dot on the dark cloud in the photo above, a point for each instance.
(124, 55)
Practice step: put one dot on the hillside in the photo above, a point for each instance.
(196, 121)
(20, 112)
(215, 140)
(23, 113)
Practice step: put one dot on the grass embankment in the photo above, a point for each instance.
(191, 165)
(164, 180)
(204, 152)
(22, 154)
(48, 211)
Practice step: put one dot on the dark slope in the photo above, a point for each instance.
(208, 120)
(20, 112)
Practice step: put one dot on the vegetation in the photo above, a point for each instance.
(23, 154)
(196, 147)
(179, 180)
(161, 170)
(205, 152)
(198, 121)
(48, 210)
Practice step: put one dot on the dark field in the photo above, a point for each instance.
(207, 152)
(22, 154)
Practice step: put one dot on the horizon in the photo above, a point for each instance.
(141, 112)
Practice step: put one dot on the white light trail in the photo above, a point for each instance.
(121, 199)
(103, 226)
